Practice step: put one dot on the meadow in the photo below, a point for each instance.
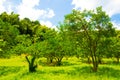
(87, 33)
(16, 68)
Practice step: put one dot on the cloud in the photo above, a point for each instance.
(49, 13)
(9, 8)
(110, 6)
(30, 3)
(27, 8)
(6, 6)
(116, 25)
(48, 24)
(2, 8)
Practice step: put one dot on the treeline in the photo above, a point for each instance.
(86, 34)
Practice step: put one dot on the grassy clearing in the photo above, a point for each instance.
(72, 69)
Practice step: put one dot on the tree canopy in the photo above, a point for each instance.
(87, 34)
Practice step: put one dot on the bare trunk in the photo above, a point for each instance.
(59, 61)
(95, 67)
(95, 63)
(32, 66)
(89, 61)
(117, 59)
(49, 60)
(99, 60)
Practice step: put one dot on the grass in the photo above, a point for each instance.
(72, 69)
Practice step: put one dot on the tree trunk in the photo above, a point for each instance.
(59, 61)
(49, 60)
(67, 58)
(95, 67)
(95, 59)
(95, 64)
(32, 66)
(89, 61)
(99, 60)
(117, 59)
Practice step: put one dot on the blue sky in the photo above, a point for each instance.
(51, 12)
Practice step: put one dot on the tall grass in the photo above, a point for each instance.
(71, 69)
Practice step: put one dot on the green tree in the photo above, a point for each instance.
(8, 34)
(26, 26)
(30, 47)
(12, 18)
(114, 48)
(90, 28)
(69, 43)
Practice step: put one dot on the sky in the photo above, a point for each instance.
(52, 12)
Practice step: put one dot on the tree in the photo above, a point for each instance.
(30, 47)
(55, 45)
(52, 46)
(114, 48)
(26, 26)
(12, 18)
(8, 34)
(69, 43)
(90, 28)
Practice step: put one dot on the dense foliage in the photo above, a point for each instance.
(85, 34)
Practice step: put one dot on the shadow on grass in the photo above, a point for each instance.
(84, 71)
(4, 70)
(107, 71)
(58, 72)
(73, 71)
(79, 71)
(63, 63)
(113, 63)
(102, 71)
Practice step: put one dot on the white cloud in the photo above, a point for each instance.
(27, 8)
(84, 4)
(6, 6)
(30, 3)
(48, 24)
(2, 8)
(49, 13)
(110, 6)
(29, 12)
(9, 9)
(116, 25)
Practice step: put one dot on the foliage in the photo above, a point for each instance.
(115, 47)
(87, 34)
(91, 30)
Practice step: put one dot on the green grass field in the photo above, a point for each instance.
(72, 69)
